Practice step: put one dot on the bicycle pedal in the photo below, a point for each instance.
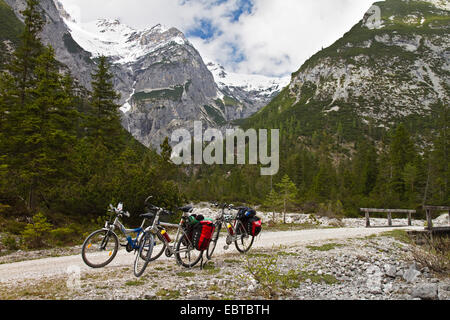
(226, 247)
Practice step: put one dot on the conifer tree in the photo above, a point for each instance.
(25, 57)
(46, 129)
(288, 193)
(105, 123)
(273, 201)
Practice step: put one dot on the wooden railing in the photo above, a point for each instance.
(389, 214)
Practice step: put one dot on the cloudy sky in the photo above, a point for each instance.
(268, 37)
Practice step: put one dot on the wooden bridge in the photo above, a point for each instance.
(389, 212)
(428, 209)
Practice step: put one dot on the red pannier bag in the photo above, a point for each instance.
(202, 234)
(254, 226)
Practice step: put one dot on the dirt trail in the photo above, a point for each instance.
(57, 266)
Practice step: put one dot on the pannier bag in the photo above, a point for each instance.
(245, 213)
(254, 226)
(202, 234)
(250, 213)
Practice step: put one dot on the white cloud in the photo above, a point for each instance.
(275, 39)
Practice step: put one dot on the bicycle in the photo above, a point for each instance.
(237, 232)
(182, 247)
(101, 246)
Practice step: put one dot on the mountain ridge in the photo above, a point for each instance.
(372, 76)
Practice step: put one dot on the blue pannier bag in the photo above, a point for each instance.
(250, 213)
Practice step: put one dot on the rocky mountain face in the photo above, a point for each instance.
(249, 92)
(393, 66)
(55, 33)
(163, 81)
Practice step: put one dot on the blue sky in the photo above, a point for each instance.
(268, 37)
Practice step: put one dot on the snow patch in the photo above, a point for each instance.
(247, 82)
(111, 38)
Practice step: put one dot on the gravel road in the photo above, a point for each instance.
(57, 266)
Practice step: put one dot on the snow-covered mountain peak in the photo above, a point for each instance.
(114, 39)
(247, 82)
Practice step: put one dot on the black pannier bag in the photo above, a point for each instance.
(246, 213)
(202, 234)
(254, 226)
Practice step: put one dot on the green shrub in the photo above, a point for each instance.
(14, 227)
(62, 236)
(9, 242)
(37, 233)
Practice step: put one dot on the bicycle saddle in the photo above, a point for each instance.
(148, 215)
(186, 208)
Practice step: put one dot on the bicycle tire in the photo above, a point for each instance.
(213, 243)
(163, 248)
(146, 241)
(111, 254)
(189, 248)
(241, 235)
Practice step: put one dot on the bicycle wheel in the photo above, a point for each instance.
(100, 248)
(243, 241)
(186, 254)
(144, 254)
(159, 245)
(213, 243)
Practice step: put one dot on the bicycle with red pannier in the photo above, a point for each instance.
(242, 228)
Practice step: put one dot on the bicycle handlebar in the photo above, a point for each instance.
(119, 212)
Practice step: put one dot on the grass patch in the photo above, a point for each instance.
(231, 261)
(211, 269)
(167, 294)
(291, 226)
(174, 93)
(186, 274)
(325, 247)
(134, 283)
(316, 278)
(400, 235)
(53, 289)
(283, 253)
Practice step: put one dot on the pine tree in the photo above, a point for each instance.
(401, 152)
(288, 193)
(105, 122)
(25, 57)
(273, 201)
(365, 168)
(166, 150)
(46, 129)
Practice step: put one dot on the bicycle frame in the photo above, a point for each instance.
(126, 232)
(180, 232)
(224, 220)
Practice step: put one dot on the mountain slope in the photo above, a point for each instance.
(375, 76)
(249, 92)
(56, 34)
(10, 26)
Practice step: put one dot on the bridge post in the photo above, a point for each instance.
(367, 220)
(429, 220)
(389, 219)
